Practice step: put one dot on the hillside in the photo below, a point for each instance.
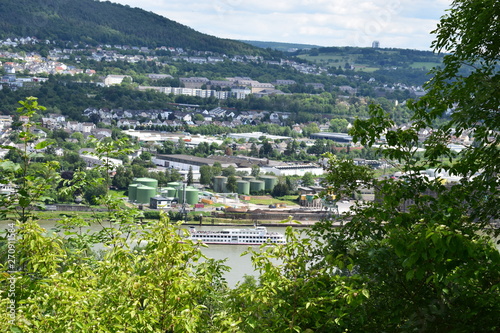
(371, 59)
(284, 47)
(94, 22)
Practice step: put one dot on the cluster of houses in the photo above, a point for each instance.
(227, 117)
(58, 121)
(34, 64)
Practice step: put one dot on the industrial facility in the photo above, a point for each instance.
(247, 184)
(145, 191)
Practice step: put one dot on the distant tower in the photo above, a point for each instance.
(375, 44)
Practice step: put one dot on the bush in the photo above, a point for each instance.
(152, 215)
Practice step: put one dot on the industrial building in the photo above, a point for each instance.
(257, 135)
(293, 170)
(336, 137)
(184, 162)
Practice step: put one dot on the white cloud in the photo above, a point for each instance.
(395, 23)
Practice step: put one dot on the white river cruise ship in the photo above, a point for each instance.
(255, 236)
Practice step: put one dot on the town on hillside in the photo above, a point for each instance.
(220, 160)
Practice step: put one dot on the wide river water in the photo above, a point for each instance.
(240, 265)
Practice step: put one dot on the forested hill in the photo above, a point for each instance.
(94, 22)
(280, 46)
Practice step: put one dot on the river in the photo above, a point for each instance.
(240, 265)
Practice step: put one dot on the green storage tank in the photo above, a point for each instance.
(132, 192)
(180, 194)
(150, 182)
(257, 186)
(270, 182)
(145, 193)
(174, 185)
(243, 187)
(192, 196)
(171, 192)
(220, 184)
(248, 178)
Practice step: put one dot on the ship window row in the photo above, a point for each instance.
(246, 237)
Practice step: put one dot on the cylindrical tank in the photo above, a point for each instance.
(174, 185)
(270, 182)
(243, 187)
(150, 182)
(192, 196)
(257, 186)
(220, 184)
(171, 192)
(132, 192)
(180, 194)
(144, 193)
(248, 178)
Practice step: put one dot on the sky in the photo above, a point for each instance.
(393, 23)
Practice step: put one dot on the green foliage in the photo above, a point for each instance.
(206, 174)
(292, 296)
(190, 176)
(255, 170)
(281, 189)
(61, 285)
(152, 214)
(122, 178)
(31, 188)
(338, 125)
(308, 179)
(96, 23)
(384, 65)
(424, 247)
(231, 185)
(162, 287)
(419, 258)
(63, 93)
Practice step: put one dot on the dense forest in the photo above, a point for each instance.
(95, 22)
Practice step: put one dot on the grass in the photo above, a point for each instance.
(117, 194)
(292, 197)
(218, 220)
(425, 65)
(366, 69)
(333, 60)
(260, 201)
(51, 215)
